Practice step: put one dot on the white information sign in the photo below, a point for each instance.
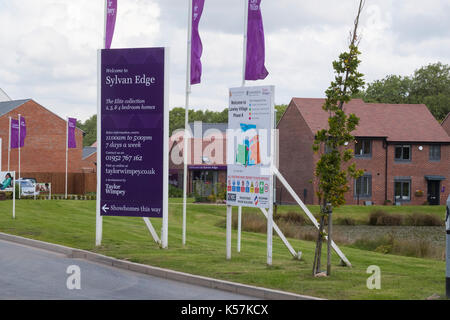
(250, 124)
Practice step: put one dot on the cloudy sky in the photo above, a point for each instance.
(48, 47)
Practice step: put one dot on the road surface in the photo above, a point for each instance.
(35, 274)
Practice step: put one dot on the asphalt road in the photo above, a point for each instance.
(35, 274)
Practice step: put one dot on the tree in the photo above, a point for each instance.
(90, 130)
(176, 120)
(429, 85)
(391, 89)
(330, 171)
(280, 111)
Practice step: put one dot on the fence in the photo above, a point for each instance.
(205, 191)
(77, 182)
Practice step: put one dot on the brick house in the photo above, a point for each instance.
(446, 124)
(89, 159)
(402, 149)
(206, 159)
(45, 143)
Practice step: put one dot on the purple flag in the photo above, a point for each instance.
(196, 42)
(71, 140)
(111, 11)
(14, 143)
(254, 66)
(23, 131)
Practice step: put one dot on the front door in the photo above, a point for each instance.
(433, 192)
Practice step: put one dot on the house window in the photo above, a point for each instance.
(435, 152)
(363, 187)
(363, 148)
(402, 190)
(403, 153)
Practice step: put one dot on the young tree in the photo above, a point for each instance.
(331, 170)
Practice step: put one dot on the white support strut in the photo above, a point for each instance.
(309, 214)
(228, 231)
(152, 230)
(280, 234)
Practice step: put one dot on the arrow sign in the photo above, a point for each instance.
(104, 208)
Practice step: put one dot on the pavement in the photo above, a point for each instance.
(33, 269)
(32, 273)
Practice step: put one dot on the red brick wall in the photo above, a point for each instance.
(375, 166)
(295, 156)
(297, 163)
(420, 166)
(89, 164)
(44, 149)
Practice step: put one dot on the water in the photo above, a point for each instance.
(436, 235)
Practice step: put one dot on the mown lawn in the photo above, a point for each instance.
(72, 223)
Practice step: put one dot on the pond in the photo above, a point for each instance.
(342, 233)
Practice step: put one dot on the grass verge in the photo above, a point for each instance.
(72, 223)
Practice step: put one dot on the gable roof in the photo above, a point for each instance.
(88, 151)
(446, 123)
(7, 106)
(395, 122)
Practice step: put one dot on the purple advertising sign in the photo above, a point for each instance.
(71, 139)
(111, 12)
(132, 132)
(14, 143)
(23, 132)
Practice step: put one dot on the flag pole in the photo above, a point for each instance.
(104, 24)
(98, 217)
(244, 64)
(9, 143)
(20, 187)
(186, 117)
(67, 152)
(244, 59)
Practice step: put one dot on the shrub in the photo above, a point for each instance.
(175, 192)
(292, 217)
(212, 198)
(424, 219)
(222, 194)
(382, 218)
(384, 248)
(391, 220)
(346, 221)
(374, 215)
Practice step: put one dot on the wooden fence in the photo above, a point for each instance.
(77, 183)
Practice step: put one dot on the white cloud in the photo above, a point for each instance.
(48, 47)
